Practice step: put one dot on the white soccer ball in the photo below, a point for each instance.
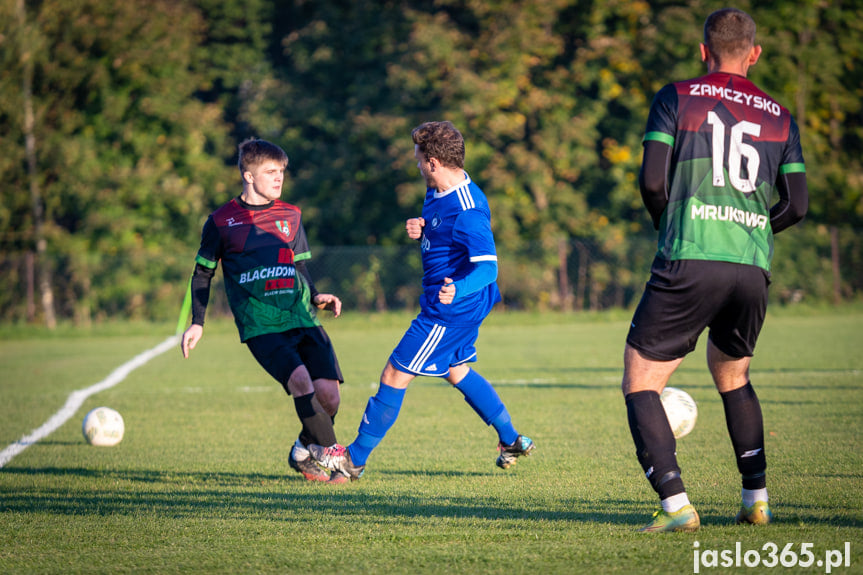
(103, 427)
(680, 409)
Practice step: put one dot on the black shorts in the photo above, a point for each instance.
(281, 353)
(683, 297)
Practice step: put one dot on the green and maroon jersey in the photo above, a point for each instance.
(258, 246)
(730, 142)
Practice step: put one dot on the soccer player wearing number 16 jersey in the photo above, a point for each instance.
(715, 151)
(459, 290)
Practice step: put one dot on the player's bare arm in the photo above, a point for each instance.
(414, 227)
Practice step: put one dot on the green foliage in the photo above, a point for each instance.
(330, 105)
(814, 69)
(128, 156)
(140, 106)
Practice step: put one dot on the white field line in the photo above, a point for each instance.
(76, 399)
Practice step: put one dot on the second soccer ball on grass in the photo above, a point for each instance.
(103, 427)
(680, 409)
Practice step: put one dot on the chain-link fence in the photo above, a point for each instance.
(574, 274)
(812, 263)
(815, 263)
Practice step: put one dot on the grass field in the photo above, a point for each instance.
(200, 482)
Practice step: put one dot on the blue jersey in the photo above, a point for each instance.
(456, 236)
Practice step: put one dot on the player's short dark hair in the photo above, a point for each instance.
(254, 152)
(729, 33)
(440, 140)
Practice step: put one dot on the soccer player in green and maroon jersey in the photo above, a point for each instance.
(716, 149)
(262, 245)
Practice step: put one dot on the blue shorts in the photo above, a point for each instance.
(429, 348)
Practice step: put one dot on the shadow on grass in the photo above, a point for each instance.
(556, 378)
(243, 495)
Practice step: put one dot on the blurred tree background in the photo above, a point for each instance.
(119, 123)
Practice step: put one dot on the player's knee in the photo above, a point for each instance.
(330, 405)
(329, 398)
(394, 377)
(299, 383)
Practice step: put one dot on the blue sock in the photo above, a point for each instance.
(380, 415)
(482, 397)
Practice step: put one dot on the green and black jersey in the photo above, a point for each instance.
(258, 247)
(730, 143)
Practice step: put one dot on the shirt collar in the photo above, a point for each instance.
(463, 184)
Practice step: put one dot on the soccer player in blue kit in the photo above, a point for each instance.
(459, 290)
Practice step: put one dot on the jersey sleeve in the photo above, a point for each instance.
(484, 273)
(206, 262)
(304, 271)
(210, 251)
(653, 178)
(301, 245)
(790, 184)
(200, 292)
(792, 158)
(662, 119)
(473, 232)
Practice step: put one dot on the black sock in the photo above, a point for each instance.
(746, 429)
(654, 442)
(317, 425)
